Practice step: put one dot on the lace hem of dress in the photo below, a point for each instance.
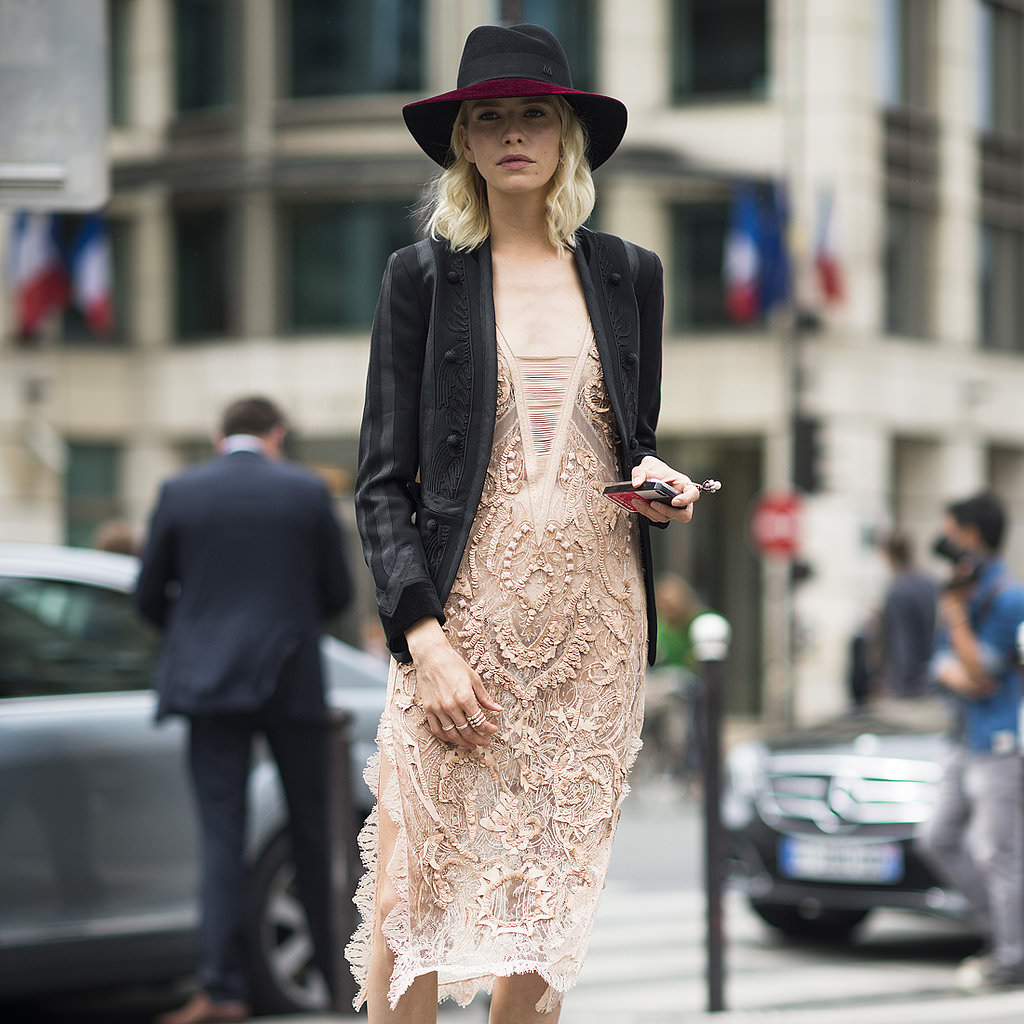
(397, 930)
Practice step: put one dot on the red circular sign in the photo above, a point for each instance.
(775, 524)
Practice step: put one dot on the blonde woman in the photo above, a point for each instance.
(514, 372)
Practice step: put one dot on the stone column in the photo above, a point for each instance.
(955, 300)
(954, 307)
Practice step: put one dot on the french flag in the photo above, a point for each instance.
(826, 254)
(742, 258)
(91, 278)
(775, 283)
(36, 271)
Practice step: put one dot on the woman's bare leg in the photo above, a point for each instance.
(418, 1004)
(515, 1001)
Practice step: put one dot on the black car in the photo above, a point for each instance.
(820, 822)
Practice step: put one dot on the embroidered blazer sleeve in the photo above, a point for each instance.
(389, 451)
(651, 304)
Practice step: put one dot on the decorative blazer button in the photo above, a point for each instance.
(451, 355)
(634, 443)
(453, 277)
(632, 358)
(431, 525)
(615, 279)
(454, 441)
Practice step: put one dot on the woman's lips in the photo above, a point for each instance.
(514, 160)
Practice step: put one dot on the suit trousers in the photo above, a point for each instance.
(219, 754)
(975, 839)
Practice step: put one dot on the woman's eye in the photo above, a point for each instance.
(536, 112)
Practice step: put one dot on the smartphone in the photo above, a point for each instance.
(628, 496)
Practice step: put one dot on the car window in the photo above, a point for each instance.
(60, 637)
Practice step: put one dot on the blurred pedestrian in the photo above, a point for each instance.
(116, 535)
(678, 605)
(674, 689)
(975, 837)
(242, 567)
(862, 662)
(907, 622)
(515, 369)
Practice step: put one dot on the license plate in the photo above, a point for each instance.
(837, 860)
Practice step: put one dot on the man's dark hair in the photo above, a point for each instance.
(254, 415)
(984, 511)
(898, 547)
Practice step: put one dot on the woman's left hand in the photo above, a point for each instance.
(681, 508)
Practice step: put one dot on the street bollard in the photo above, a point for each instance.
(345, 866)
(710, 634)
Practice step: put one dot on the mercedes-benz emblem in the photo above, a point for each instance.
(841, 805)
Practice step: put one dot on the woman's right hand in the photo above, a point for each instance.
(450, 693)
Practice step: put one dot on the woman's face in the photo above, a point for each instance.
(514, 142)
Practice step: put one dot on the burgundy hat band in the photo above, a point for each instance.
(495, 88)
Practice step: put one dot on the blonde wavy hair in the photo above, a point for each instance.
(456, 204)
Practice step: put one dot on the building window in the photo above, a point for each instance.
(75, 327)
(698, 238)
(572, 21)
(335, 254)
(198, 450)
(1000, 64)
(345, 47)
(906, 39)
(1000, 296)
(719, 48)
(119, 61)
(333, 458)
(202, 54)
(908, 248)
(92, 489)
(202, 281)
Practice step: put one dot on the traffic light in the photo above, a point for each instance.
(807, 455)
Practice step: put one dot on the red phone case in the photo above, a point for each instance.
(627, 497)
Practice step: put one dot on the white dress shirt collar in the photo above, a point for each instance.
(242, 443)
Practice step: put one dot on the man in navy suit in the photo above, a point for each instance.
(243, 565)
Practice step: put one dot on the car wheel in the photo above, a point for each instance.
(820, 923)
(282, 975)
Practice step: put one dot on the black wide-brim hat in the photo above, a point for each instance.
(523, 60)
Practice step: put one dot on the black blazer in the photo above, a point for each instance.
(242, 566)
(428, 421)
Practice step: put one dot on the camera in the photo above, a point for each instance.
(967, 565)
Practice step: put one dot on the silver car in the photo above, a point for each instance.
(98, 873)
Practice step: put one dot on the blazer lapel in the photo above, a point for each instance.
(480, 283)
(595, 294)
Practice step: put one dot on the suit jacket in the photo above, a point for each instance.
(242, 566)
(428, 421)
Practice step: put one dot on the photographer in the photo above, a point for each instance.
(975, 661)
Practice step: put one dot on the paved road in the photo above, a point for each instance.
(646, 963)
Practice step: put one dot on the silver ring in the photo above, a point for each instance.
(448, 728)
(478, 719)
(465, 725)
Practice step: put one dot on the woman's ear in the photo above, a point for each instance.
(467, 152)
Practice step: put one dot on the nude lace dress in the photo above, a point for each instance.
(500, 856)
